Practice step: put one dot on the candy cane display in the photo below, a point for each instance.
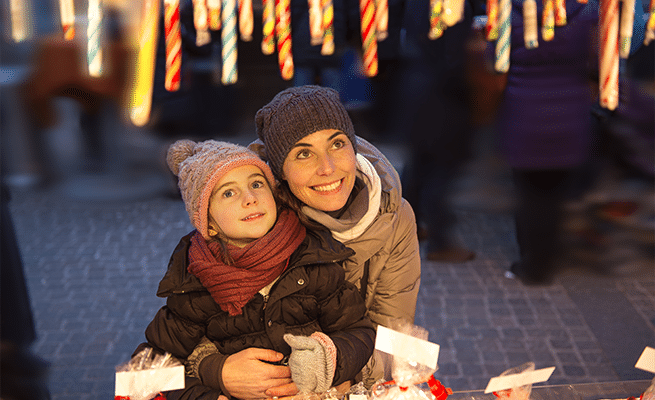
(328, 27)
(93, 33)
(609, 54)
(625, 29)
(201, 22)
(382, 19)
(650, 25)
(530, 30)
(369, 42)
(245, 20)
(229, 42)
(491, 28)
(67, 11)
(504, 32)
(283, 33)
(141, 93)
(214, 11)
(173, 40)
(437, 25)
(548, 21)
(560, 12)
(315, 22)
(20, 30)
(268, 27)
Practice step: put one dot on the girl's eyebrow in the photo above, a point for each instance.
(335, 134)
(254, 175)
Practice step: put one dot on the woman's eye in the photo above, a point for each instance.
(339, 143)
(303, 154)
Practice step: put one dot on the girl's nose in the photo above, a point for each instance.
(249, 198)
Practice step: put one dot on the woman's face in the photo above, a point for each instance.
(321, 168)
(242, 205)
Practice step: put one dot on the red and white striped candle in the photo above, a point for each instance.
(625, 29)
(283, 33)
(369, 40)
(173, 39)
(67, 11)
(214, 12)
(245, 20)
(327, 26)
(609, 54)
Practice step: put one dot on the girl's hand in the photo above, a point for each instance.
(249, 375)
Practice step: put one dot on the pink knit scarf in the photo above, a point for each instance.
(255, 266)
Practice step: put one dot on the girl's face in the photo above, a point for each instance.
(242, 205)
(321, 169)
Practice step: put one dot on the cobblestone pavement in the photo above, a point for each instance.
(93, 267)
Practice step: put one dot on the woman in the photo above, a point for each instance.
(338, 181)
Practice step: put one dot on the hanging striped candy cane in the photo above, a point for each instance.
(214, 11)
(582, 1)
(245, 20)
(315, 22)
(437, 25)
(268, 27)
(625, 29)
(67, 11)
(504, 33)
(173, 40)
(229, 42)
(530, 30)
(328, 27)
(201, 22)
(283, 32)
(141, 92)
(609, 54)
(491, 29)
(93, 33)
(369, 42)
(382, 19)
(560, 12)
(20, 21)
(548, 21)
(650, 25)
(453, 11)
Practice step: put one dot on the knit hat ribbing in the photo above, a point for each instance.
(295, 113)
(199, 166)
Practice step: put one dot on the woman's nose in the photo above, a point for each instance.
(326, 166)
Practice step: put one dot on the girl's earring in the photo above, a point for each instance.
(212, 232)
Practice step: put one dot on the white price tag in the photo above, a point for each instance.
(647, 360)
(407, 347)
(517, 380)
(147, 381)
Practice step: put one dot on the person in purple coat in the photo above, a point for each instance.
(545, 129)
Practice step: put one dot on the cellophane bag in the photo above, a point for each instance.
(146, 375)
(520, 392)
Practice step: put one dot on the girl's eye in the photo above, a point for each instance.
(228, 193)
(258, 185)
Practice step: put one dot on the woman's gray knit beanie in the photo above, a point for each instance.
(295, 113)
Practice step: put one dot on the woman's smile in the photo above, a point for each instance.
(328, 187)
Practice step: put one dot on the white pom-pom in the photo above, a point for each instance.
(178, 152)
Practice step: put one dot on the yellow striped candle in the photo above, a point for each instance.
(141, 92)
(609, 54)
(229, 42)
(214, 11)
(268, 27)
(173, 40)
(491, 29)
(20, 20)
(530, 30)
(328, 27)
(67, 11)
(382, 19)
(503, 42)
(548, 20)
(315, 22)
(437, 25)
(650, 25)
(245, 20)
(625, 29)
(93, 33)
(283, 33)
(369, 41)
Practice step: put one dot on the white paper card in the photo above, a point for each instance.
(516, 380)
(136, 382)
(407, 347)
(647, 360)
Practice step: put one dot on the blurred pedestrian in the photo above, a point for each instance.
(545, 131)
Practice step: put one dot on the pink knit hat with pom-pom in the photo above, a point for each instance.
(199, 166)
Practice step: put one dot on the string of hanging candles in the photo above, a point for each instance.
(93, 33)
(327, 27)
(283, 36)
(67, 15)
(268, 27)
(650, 25)
(369, 40)
(627, 19)
(173, 39)
(214, 10)
(245, 20)
(609, 54)
(229, 42)
(20, 21)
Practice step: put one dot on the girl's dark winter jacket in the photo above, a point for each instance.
(311, 295)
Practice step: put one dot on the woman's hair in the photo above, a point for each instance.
(290, 201)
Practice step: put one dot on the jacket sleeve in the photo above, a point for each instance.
(398, 282)
(343, 319)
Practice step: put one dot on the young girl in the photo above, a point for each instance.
(250, 275)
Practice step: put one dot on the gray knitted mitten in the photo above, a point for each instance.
(312, 361)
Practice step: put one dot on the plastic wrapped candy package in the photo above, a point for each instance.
(649, 394)
(146, 375)
(517, 393)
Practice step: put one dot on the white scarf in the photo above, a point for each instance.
(372, 180)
